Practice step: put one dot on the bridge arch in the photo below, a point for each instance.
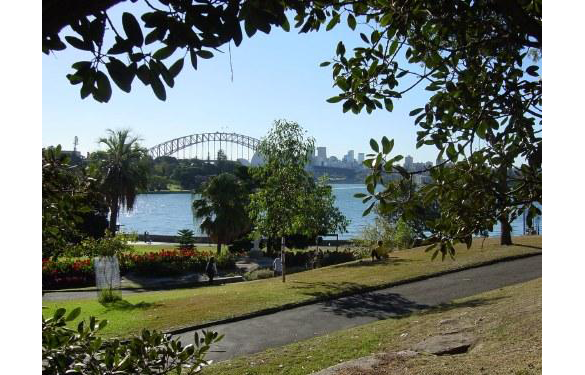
(175, 145)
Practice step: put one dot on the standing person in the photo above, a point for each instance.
(211, 269)
(277, 266)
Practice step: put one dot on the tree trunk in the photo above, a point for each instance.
(283, 261)
(506, 231)
(113, 218)
(218, 247)
(505, 227)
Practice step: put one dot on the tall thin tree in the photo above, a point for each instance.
(123, 171)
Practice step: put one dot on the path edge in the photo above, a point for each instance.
(368, 289)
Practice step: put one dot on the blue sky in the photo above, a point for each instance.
(275, 76)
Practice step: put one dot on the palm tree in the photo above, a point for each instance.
(123, 171)
(222, 207)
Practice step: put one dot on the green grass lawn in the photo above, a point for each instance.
(168, 310)
(507, 323)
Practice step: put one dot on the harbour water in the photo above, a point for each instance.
(167, 213)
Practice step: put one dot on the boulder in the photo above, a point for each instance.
(455, 343)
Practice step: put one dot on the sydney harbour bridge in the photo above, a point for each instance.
(235, 147)
(206, 146)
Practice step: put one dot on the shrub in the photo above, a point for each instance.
(186, 239)
(81, 351)
(261, 273)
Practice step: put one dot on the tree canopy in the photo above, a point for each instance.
(484, 115)
(122, 171)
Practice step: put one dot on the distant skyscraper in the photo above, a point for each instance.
(360, 157)
(350, 157)
(322, 152)
(408, 162)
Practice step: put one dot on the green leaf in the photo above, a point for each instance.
(143, 74)
(79, 44)
(325, 63)
(59, 313)
(387, 145)
(335, 99)
(374, 145)
(359, 195)
(532, 70)
(351, 22)
(164, 52)
(193, 56)
(204, 54)
(388, 104)
(158, 88)
(414, 112)
(452, 153)
(364, 38)
(402, 74)
(73, 314)
(176, 68)
(367, 211)
(481, 129)
(120, 74)
(132, 29)
(393, 47)
(340, 50)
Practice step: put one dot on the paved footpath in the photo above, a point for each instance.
(281, 328)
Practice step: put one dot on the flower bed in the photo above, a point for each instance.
(68, 273)
(76, 273)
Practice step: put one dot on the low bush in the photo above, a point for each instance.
(261, 273)
(81, 351)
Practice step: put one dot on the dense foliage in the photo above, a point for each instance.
(222, 208)
(122, 171)
(484, 113)
(82, 351)
(73, 207)
(288, 201)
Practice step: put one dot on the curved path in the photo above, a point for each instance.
(281, 328)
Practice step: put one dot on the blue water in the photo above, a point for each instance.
(168, 213)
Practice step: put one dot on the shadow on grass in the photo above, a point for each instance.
(123, 305)
(392, 261)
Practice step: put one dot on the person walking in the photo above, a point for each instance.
(211, 269)
(277, 266)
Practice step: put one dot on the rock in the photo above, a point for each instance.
(406, 353)
(456, 343)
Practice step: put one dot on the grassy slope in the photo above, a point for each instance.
(184, 307)
(507, 323)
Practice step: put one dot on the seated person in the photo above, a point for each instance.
(379, 251)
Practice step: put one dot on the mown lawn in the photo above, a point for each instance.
(168, 310)
(506, 322)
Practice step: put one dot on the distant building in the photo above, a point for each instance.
(408, 162)
(350, 157)
(244, 162)
(361, 157)
(322, 153)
